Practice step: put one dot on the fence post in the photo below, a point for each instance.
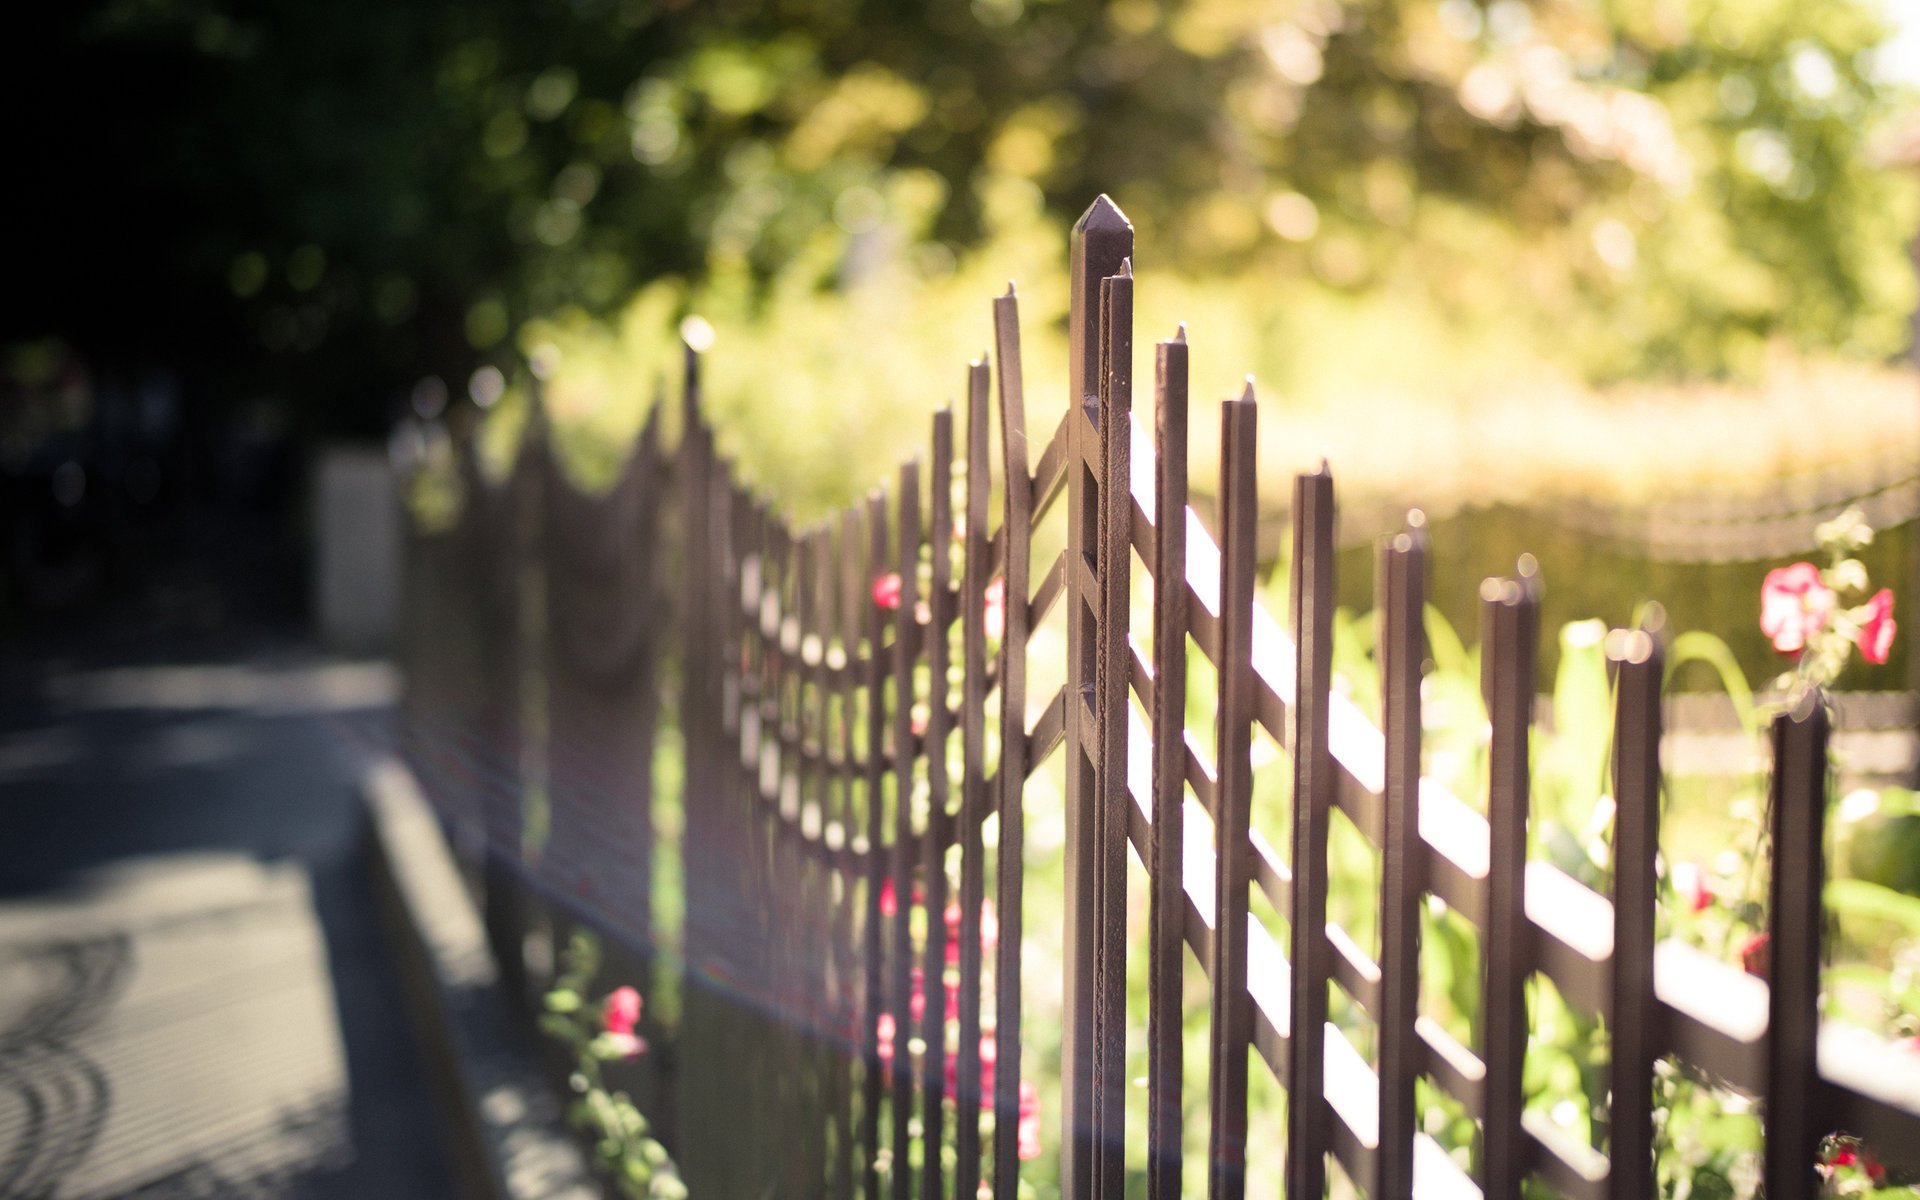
(1510, 616)
(1640, 661)
(873, 769)
(1794, 904)
(1401, 579)
(1167, 908)
(1102, 242)
(973, 786)
(1015, 760)
(939, 828)
(1308, 1119)
(906, 641)
(1232, 1006)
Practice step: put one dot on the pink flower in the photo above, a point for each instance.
(997, 609)
(1875, 638)
(621, 1011)
(886, 591)
(1029, 1122)
(627, 1044)
(883, 1030)
(889, 899)
(1794, 605)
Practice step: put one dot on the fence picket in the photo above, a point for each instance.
(874, 770)
(1102, 241)
(939, 826)
(1312, 586)
(1015, 756)
(1401, 580)
(973, 786)
(847, 1037)
(1640, 665)
(1166, 953)
(1509, 609)
(1231, 1034)
(1114, 666)
(906, 645)
(1798, 805)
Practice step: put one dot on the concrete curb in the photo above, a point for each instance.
(509, 1139)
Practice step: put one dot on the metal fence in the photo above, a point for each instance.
(854, 710)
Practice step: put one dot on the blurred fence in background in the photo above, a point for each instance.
(845, 720)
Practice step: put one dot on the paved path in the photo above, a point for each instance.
(195, 999)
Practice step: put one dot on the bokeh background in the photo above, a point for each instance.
(1627, 282)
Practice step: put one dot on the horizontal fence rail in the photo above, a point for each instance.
(854, 708)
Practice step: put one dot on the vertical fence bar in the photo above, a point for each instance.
(1507, 683)
(843, 1021)
(1166, 902)
(1115, 663)
(873, 770)
(906, 644)
(1017, 524)
(810, 666)
(1232, 1007)
(1402, 582)
(1639, 663)
(973, 787)
(1309, 1130)
(1102, 241)
(939, 830)
(1794, 903)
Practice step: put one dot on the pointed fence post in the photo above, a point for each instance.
(1102, 243)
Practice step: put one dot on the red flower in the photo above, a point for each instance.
(1691, 882)
(621, 1011)
(1753, 955)
(1794, 605)
(886, 591)
(1851, 1154)
(889, 900)
(1875, 638)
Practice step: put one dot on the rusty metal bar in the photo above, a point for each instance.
(1639, 663)
(1015, 761)
(1102, 241)
(1113, 667)
(1798, 827)
(1401, 580)
(1308, 1133)
(874, 998)
(939, 824)
(1509, 609)
(907, 563)
(1231, 1035)
(1167, 899)
(974, 588)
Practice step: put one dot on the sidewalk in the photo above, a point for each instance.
(195, 998)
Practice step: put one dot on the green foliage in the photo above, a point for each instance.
(369, 189)
(630, 1157)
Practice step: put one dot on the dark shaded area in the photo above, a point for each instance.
(182, 719)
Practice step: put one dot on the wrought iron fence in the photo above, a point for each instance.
(855, 715)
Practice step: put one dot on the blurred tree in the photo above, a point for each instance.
(320, 199)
